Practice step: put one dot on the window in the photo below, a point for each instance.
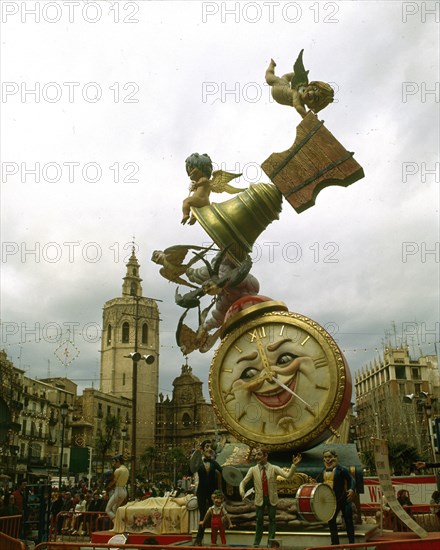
(145, 333)
(125, 333)
(186, 419)
(123, 378)
(400, 373)
(109, 334)
(35, 450)
(415, 373)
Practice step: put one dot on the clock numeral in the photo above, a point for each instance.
(282, 330)
(319, 387)
(305, 340)
(259, 332)
(228, 370)
(229, 397)
(238, 349)
(320, 362)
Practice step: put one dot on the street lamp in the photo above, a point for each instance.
(64, 409)
(425, 399)
(124, 431)
(427, 404)
(135, 357)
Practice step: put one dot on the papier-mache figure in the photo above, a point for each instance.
(199, 169)
(217, 518)
(295, 90)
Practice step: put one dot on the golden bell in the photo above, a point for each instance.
(236, 224)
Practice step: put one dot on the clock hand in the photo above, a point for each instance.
(264, 358)
(290, 391)
(270, 374)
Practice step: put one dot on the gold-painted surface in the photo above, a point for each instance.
(237, 223)
(329, 405)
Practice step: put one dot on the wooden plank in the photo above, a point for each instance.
(314, 161)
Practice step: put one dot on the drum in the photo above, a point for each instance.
(120, 538)
(192, 504)
(316, 502)
(232, 475)
(195, 461)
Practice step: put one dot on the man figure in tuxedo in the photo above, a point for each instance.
(207, 474)
(343, 485)
(266, 494)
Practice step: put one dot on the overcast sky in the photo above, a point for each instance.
(103, 101)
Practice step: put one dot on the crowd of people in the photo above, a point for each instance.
(81, 508)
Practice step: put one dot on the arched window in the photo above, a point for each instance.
(133, 289)
(125, 333)
(145, 333)
(109, 334)
(186, 419)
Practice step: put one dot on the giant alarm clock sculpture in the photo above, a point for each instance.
(278, 378)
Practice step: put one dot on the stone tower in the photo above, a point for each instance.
(130, 324)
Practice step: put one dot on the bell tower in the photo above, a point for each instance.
(131, 324)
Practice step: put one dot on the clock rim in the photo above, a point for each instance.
(336, 411)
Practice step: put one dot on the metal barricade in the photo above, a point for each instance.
(10, 543)
(11, 525)
(431, 543)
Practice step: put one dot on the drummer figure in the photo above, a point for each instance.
(344, 486)
(207, 484)
(264, 477)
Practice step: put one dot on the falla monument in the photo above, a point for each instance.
(277, 377)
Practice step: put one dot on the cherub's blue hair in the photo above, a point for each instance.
(202, 162)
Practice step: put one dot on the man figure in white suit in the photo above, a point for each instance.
(266, 494)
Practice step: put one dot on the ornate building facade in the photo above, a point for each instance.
(398, 398)
(186, 419)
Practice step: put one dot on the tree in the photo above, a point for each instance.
(400, 455)
(106, 436)
(149, 455)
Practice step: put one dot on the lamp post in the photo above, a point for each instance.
(427, 404)
(124, 431)
(425, 399)
(64, 409)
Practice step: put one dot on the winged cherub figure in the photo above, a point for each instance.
(295, 90)
(199, 169)
(172, 261)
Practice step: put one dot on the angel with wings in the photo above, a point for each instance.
(295, 90)
(172, 259)
(199, 169)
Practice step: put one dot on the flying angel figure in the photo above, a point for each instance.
(172, 261)
(199, 169)
(294, 89)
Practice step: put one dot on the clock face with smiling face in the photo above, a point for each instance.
(281, 381)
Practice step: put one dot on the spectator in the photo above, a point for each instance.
(10, 506)
(55, 509)
(19, 495)
(435, 502)
(67, 507)
(78, 516)
(2, 508)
